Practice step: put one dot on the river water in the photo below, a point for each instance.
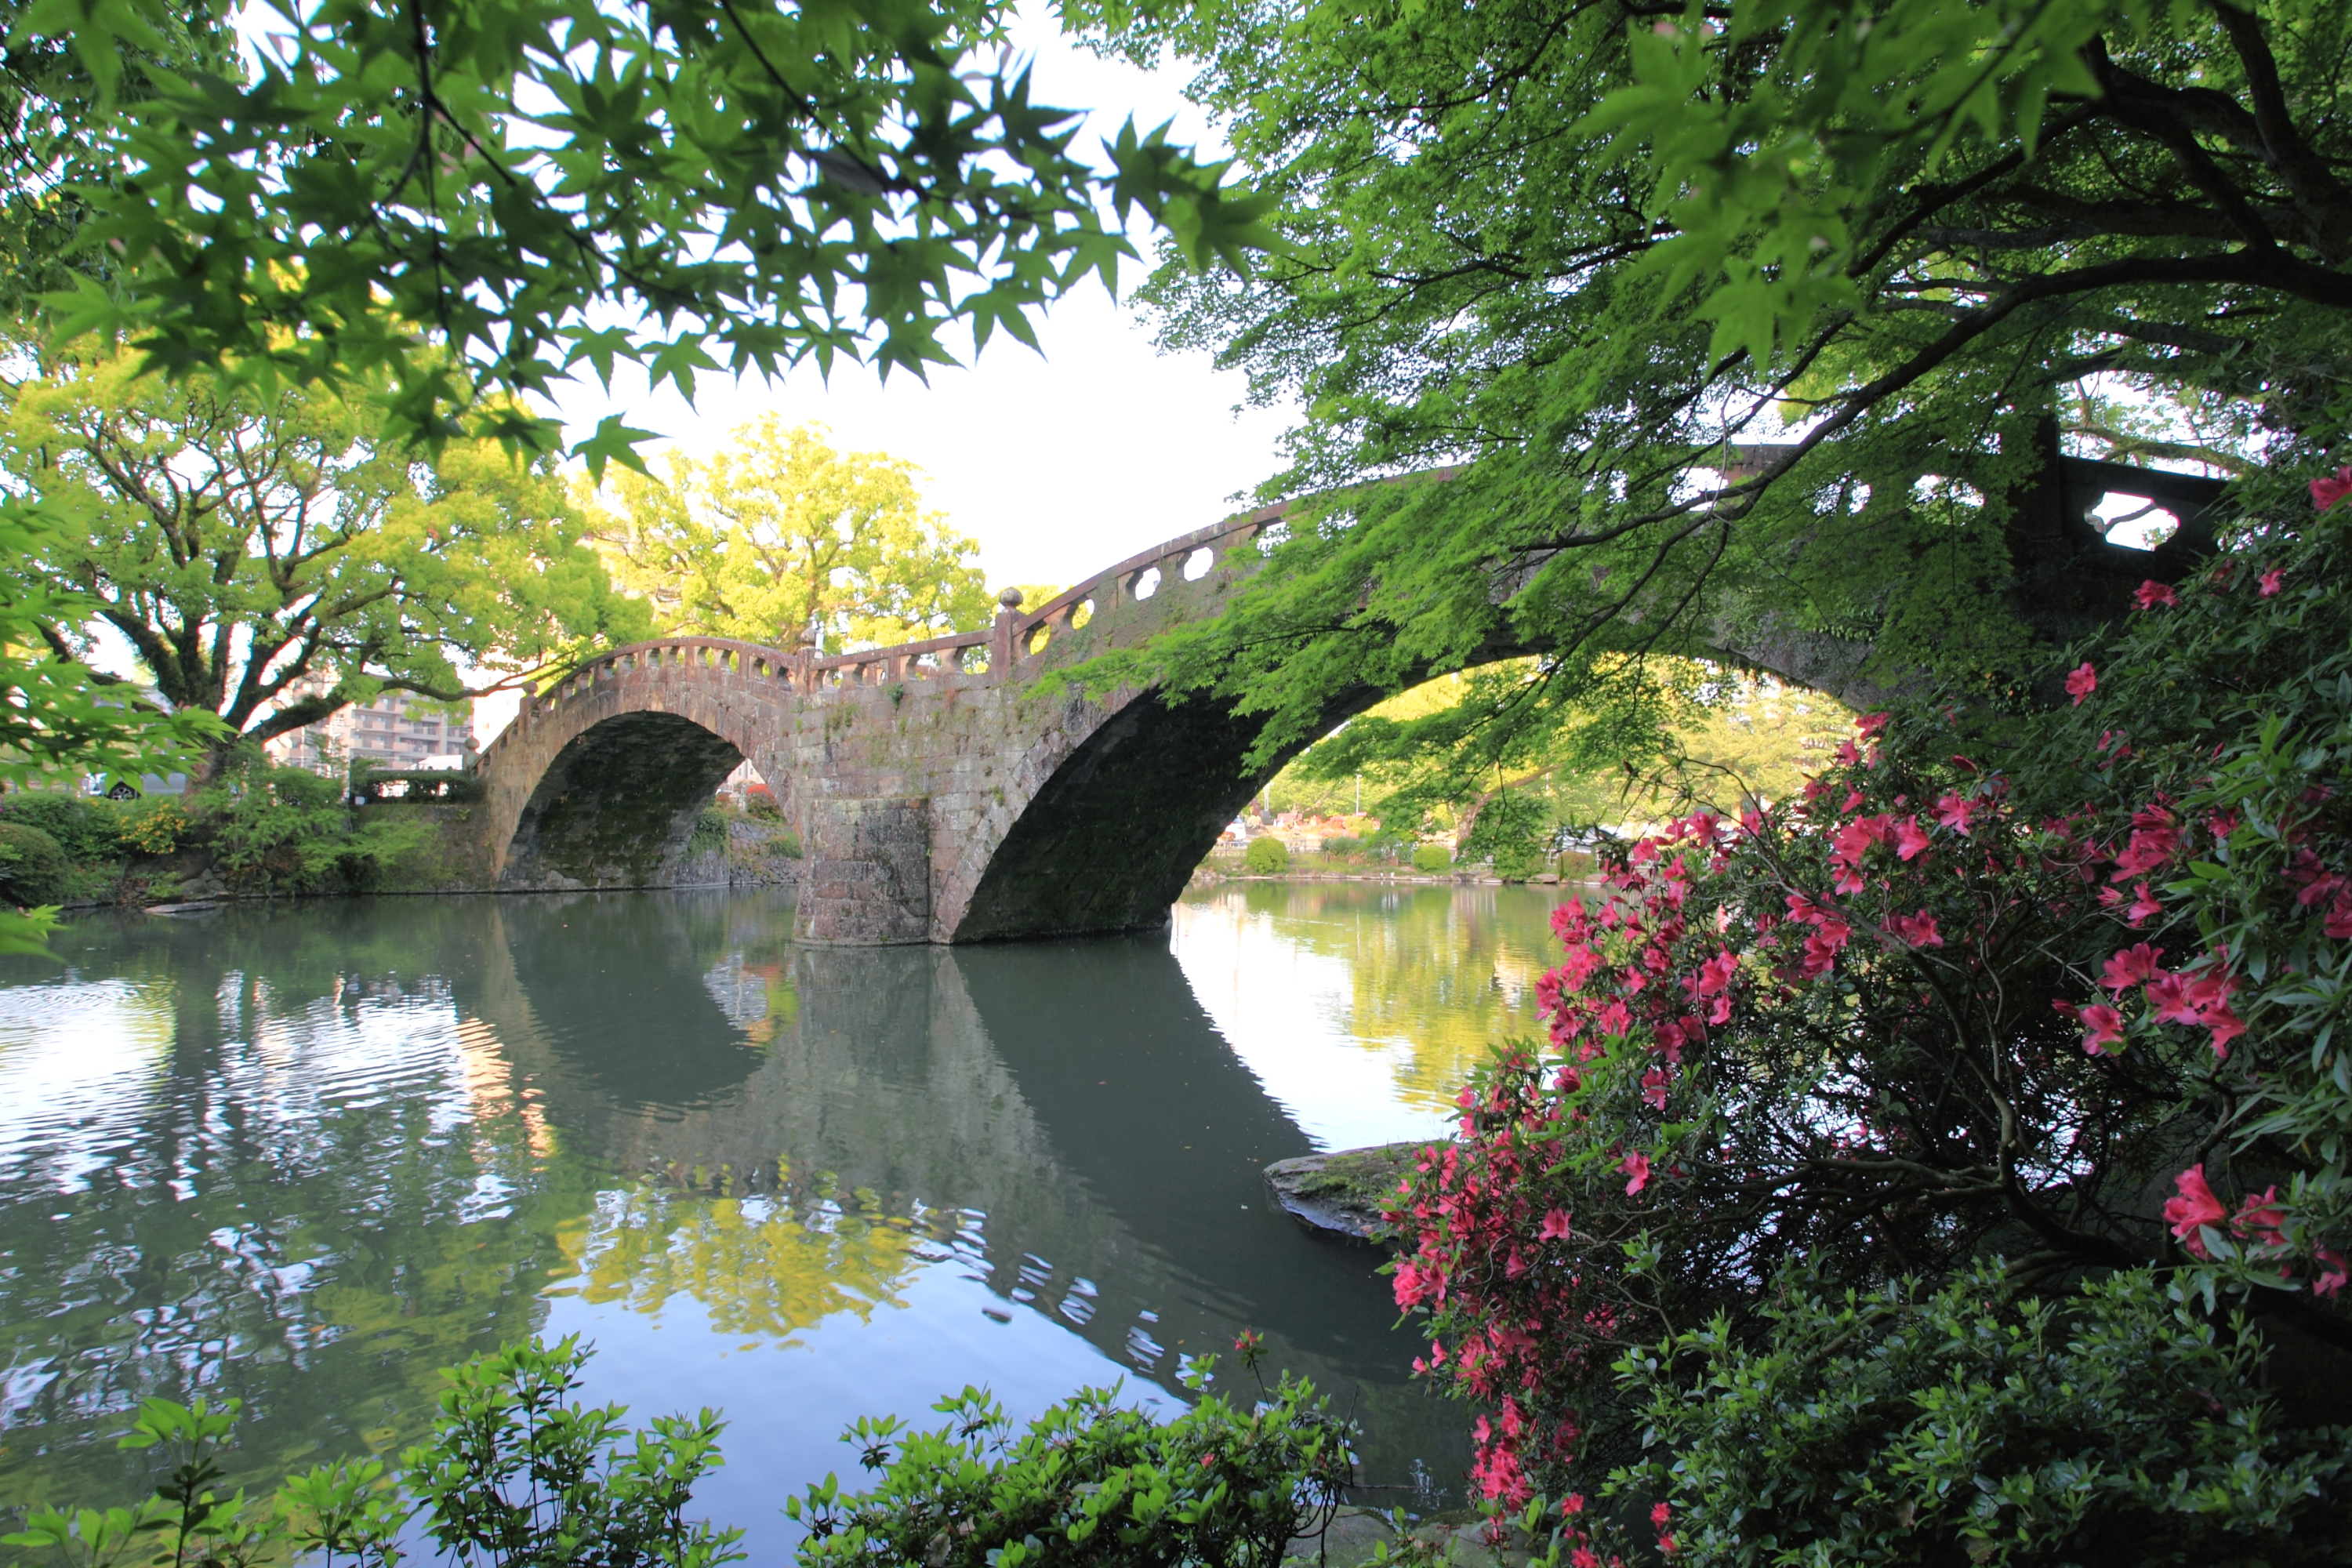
(303, 1155)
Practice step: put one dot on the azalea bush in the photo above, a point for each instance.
(2058, 988)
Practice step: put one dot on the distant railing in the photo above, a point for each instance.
(1013, 646)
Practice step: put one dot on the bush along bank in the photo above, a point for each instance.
(1950, 1165)
(1385, 859)
(250, 830)
(256, 830)
(517, 1471)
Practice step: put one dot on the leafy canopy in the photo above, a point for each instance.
(779, 534)
(554, 185)
(1743, 325)
(270, 561)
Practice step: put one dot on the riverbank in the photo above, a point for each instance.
(80, 853)
(1206, 876)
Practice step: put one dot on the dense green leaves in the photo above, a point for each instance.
(1903, 1425)
(1087, 1483)
(545, 186)
(778, 536)
(1747, 325)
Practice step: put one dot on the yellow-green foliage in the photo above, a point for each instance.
(779, 533)
(212, 529)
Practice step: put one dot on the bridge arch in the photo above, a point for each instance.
(598, 781)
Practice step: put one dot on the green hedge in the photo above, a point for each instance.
(1266, 856)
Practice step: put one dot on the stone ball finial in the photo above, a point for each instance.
(806, 639)
(1009, 598)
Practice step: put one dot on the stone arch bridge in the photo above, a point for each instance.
(941, 796)
(942, 792)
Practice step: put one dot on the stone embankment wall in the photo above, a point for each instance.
(758, 855)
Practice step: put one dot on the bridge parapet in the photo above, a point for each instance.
(904, 767)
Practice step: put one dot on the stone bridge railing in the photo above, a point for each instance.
(1186, 568)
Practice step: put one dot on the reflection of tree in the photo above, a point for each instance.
(310, 1184)
(758, 1265)
(1445, 973)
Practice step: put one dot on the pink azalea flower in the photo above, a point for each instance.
(2152, 593)
(1636, 1165)
(1554, 1227)
(2327, 1284)
(2339, 916)
(1654, 1089)
(2144, 904)
(2105, 1027)
(2131, 966)
(2271, 582)
(1716, 975)
(2259, 1219)
(2226, 1026)
(2169, 993)
(2194, 1208)
(1916, 930)
(1955, 812)
(1910, 839)
(2081, 681)
(2326, 492)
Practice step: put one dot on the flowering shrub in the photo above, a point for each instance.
(2061, 988)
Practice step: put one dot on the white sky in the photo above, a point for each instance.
(1058, 466)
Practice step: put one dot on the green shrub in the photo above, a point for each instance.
(288, 830)
(84, 828)
(709, 835)
(1344, 843)
(34, 870)
(1432, 858)
(1989, 1429)
(1087, 1485)
(517, 1474)
(150, 828)
(1266, 856)
(761, 801)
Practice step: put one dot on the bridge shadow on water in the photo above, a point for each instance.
(1062, 1118)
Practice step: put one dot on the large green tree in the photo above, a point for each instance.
(270, 565)
(779, 534)
(1747, 325)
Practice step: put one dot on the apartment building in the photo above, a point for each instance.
(395, 731)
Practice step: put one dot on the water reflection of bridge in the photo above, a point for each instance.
(1072, 1095)
(353, 1143)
